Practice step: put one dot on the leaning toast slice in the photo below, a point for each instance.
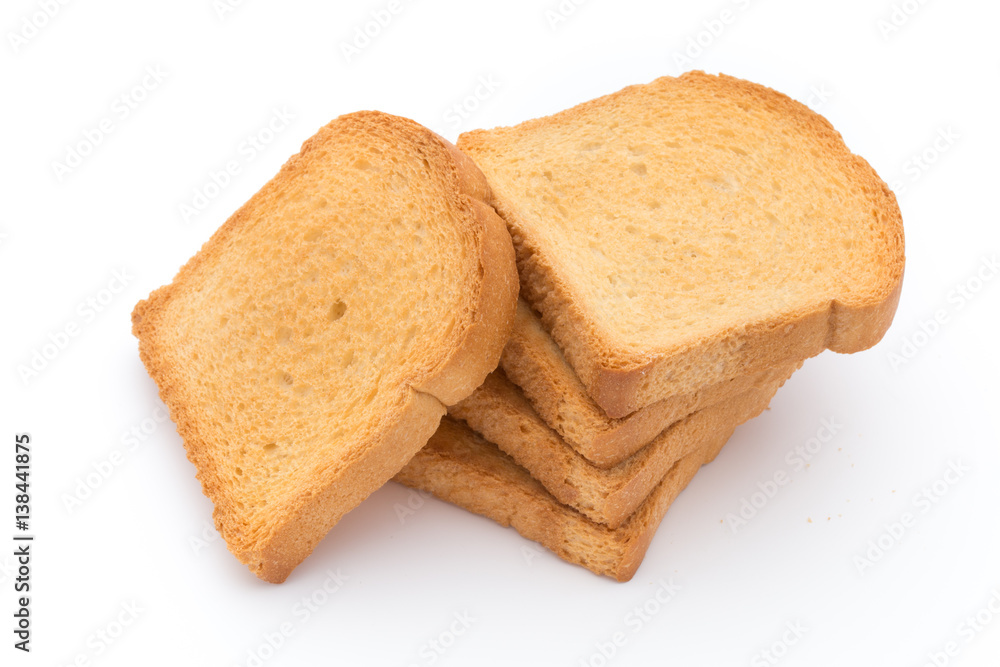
(681, 233)
(311, 346)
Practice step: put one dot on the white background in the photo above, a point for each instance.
(135, 539)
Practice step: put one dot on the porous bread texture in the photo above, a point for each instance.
(460, 467)
(534, 362)
(310, 347)
(677, 234)
(499, 412)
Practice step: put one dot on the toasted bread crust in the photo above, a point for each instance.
(499, 412)
(534, 362)
(460, 467)
(273, 550)
(493, 316)
(621, 379)
(295, 538)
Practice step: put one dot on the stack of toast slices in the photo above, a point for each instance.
(553, 325)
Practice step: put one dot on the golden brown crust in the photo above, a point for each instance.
(296, 537)
(493, 316)
(534, 362)
(462, 468)
(622, 380)
(499, 412)
(272, 550)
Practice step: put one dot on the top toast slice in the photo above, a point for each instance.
(311, 346)
(677, 234)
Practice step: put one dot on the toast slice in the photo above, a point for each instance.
(499, 412)
(534, 362)
(459, 466)
(311, 346)
(681, 233)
